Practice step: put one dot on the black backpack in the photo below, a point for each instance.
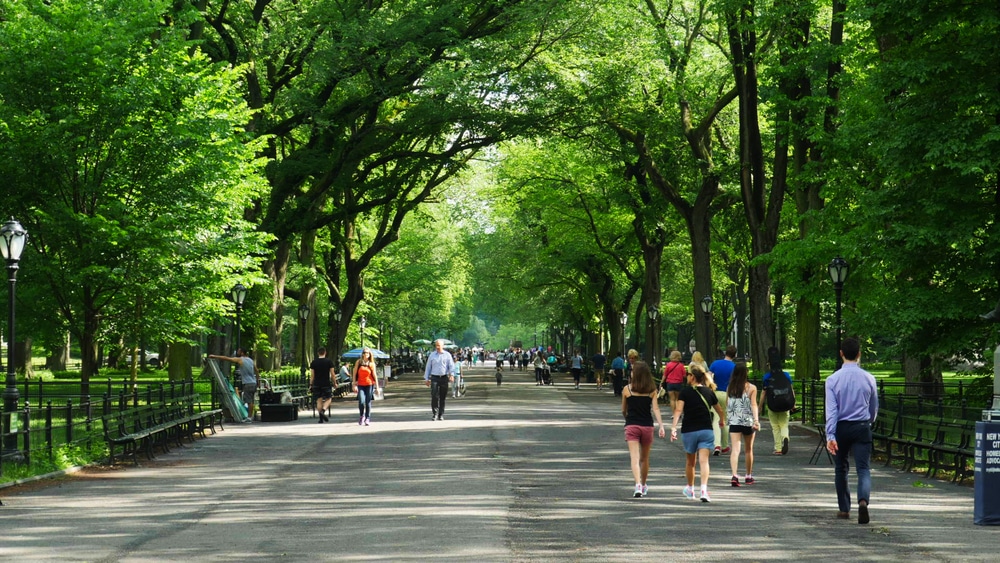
(780, 395)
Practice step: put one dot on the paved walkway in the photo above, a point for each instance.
(515, 473)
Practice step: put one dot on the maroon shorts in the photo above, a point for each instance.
(641, 434)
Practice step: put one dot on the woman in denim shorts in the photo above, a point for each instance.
(695, 402)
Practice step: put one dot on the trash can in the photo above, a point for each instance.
(987, 474)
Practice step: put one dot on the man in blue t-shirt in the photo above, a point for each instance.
(722, 371)
(618, 373)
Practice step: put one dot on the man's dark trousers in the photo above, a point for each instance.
(853, 437)
(439, 391)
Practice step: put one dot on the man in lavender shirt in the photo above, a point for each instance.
(438, 373)
(851, 407)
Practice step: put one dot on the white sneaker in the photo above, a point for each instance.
(638, 491)
(645, 490)
(705, 497)
(689, 492)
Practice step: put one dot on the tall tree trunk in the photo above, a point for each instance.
(808, 201)
(277, 270)
(88, 345)
(58, 358)
(762, 210)
(307, 297)
(22, 358)
(806, 339)
(179, 361)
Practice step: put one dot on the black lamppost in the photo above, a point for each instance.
(838, 273)
(624, 321)
(12, 239)
(303, 316)
(362, 323)
(654, 346)
(706, 307)
(239, 295)
(336, 335)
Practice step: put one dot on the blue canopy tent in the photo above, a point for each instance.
(356, 353)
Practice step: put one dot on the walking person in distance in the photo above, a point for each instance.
(851, 407)
(744, 421)
(438, 373)
(617, 374)
(696, 402)
(576, 367)
(779, 396)
(722, 370)
(639, 407)
(364, 380)
(321, 375)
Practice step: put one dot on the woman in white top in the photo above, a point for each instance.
(744, 421)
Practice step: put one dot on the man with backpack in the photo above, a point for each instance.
(779, 396)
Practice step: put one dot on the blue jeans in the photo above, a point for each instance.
(853, 438)
(365, 394)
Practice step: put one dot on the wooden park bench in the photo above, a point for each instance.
(954, 449)
(932, 440)
(147, 427)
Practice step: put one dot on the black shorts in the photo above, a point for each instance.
(324, 392)
(739, 429)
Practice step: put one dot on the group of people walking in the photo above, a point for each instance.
(714, 410)
(705, 400)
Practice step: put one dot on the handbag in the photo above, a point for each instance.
(661, 393)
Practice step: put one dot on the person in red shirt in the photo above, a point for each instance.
(364, 382)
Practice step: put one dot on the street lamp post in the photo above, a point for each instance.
(336, 335)
(624, 321)
(565, 336)
(362, 323)
(12, 239)
(239, 295)
(303, 316)
(838, 273)
(654, 346)
(706, 307)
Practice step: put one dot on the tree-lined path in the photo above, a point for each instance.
(515, 473)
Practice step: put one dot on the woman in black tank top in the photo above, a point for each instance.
(639, 407)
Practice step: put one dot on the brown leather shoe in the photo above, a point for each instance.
(843, 515)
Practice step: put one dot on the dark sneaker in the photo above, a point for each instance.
(784, 446)
(735, 481)
(749, 480)
(863, 514)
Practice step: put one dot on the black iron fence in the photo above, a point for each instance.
(64, 420)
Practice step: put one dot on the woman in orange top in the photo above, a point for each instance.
(365, 383)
